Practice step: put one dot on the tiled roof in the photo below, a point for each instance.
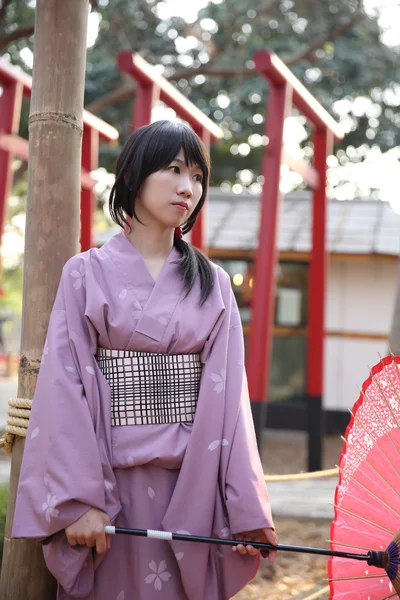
(353, 226)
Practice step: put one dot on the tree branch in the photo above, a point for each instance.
(119, 95)
(126, 91)
(5, 4)
(335, 32)
(17, 34)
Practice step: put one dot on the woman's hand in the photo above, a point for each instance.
(257, 535)
(88, 530)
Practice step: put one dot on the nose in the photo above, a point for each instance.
(185, 187)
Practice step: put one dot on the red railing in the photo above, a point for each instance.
(15, 84)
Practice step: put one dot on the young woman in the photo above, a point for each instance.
(141, 415)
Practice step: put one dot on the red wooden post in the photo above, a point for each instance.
(323, 146)
(278, 74)
(90, 162)
(262, 316)
(146, 97)
(10, 111)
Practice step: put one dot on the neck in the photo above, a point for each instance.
(150, 243)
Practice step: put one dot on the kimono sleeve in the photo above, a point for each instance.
(246, 495)
(61, 475)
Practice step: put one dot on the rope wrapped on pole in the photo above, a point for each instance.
(17, 422)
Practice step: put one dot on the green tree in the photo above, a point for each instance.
(333, 47)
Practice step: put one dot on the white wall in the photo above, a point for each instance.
(360, 297)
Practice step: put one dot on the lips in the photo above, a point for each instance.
(182, 204)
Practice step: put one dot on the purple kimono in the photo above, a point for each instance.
(204, 478)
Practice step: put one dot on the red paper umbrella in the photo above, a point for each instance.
(367, 498)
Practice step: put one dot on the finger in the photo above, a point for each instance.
(81, 540)
(101, 544)
(251, 550)
(272, 556)
(71, 540)
(271, 536)
(108, 540)
(241, 549)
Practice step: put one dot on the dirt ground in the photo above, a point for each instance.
(293, 576)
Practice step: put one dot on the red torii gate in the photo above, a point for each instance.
(287, 91)
(153, 87)
(15, 85)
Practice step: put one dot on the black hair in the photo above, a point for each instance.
(150, 149)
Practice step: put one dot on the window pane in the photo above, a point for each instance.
(292, 290)
(288, 368)
(288, 362)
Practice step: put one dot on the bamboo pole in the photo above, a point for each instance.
(52, 234)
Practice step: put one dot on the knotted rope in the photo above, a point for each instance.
(17, 422)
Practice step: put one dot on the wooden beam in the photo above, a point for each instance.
(303, 257)
(271, 66)
(146, 75)
(9, 73)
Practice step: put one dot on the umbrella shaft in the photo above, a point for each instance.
(228, 542)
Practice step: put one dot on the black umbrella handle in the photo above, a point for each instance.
(167, 535)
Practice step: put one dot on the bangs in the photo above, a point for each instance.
(167, 140)
(194, 152)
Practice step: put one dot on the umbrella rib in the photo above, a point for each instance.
(377, 576)
(348, 512)
(337, 543)
(371, 493)
(391, 596)
(372, 466)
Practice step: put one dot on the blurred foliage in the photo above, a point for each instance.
(333, 46)
(3, 508)
(3, 512)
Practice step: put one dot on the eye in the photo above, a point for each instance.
(175, 169)
(199, 178)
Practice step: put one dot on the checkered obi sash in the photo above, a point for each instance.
(149, 388)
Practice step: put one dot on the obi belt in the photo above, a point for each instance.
(149, 388)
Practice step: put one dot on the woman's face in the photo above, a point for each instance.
(168, 197)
